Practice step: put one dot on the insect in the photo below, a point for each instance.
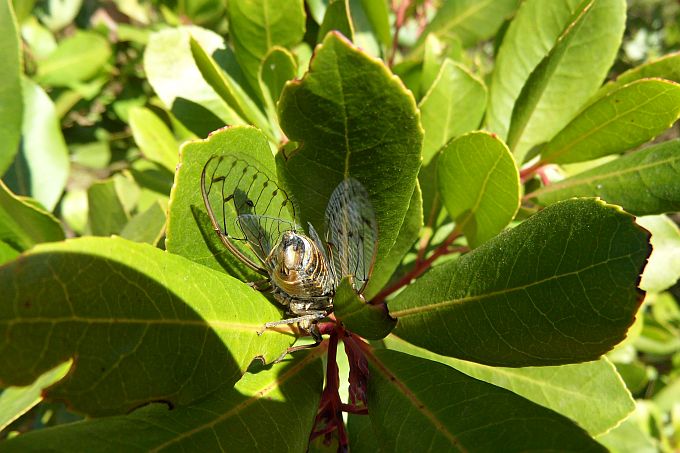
(255, 220)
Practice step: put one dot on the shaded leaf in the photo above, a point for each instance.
(278, 67)
(16, 401)
(372, 322)
(617, 122)
(153, 137)
(145, 325)
(346, 127)
(550, 291)
(265, 411)
(11, 105)
(42, 166)
(147, 226)
(22, 224)
(592, 393)
(587, 45)
(479, 185)
(454, 104)
(663, 269)
(471, 20)
(337, 17)
(77, 58)
(429, 399)
(644, 182)
(256, 26)
(106, 214)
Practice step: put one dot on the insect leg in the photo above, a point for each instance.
(261, 285)
(314, 331)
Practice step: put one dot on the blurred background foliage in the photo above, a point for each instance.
(99, 151)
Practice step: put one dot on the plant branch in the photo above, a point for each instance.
(398, 23)
(526, 173)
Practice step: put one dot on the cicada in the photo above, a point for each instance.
(255, 219)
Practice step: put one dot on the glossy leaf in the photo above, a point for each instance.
(368, 131)
(453, 105)
(407, 237)
(11, 104)
(663, 268)
(471, 20)
(77, 58)
(226, 87)
(370, 321)
(587, 45)
(154, 138)
(416, 403)
(42, 166)
(619, 121)
(147, 226)
(644, 182)
(265, 411)
(592, 393)
(172, 72)
(479, 185)
(145, 325)
(665, 67)
(550, 291)
(189, 231)
(255, 26)
(337, 17)
(106, 214)
(22, 224)
(16, 401)
(530, 37)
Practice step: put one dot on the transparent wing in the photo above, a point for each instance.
(352, 232)
(245, 205)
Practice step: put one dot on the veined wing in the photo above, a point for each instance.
(352, 232)
(245, 205)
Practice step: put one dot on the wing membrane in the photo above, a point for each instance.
(245, 205)
(352, 232)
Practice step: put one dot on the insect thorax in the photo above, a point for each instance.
(300, 274)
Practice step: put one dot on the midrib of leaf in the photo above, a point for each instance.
(264, 391)
(417, 404)
(604, 124)
(589, 180)
(566, 35)
(447, 303)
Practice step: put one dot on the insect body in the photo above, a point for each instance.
(255, 219)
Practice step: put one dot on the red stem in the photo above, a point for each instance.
(526, 173)
(398, 23)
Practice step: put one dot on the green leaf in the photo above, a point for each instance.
(42, 166)
(621, 120)
(372, 322)
(153, 137)
(408, 235)
(172, 72)
(588, 45)
(629, 437)
(106, 214)
(453, 105)
(189, 231)
(592, 394)
(16, 401)
(11, 105)
(644, 182)
(337, 18)
(147, 226)
(479, 185)
(414, 402)
(22, 224)
(550, 291)
(666, 67)
(530, 37)
(347, 127)
(266, 411)
(57, 14)
(278, 67)
(256, 26)
(227, 88)
(471, 20)
(77, 58)
(378, 15)
(145, 325)
(663, 268)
